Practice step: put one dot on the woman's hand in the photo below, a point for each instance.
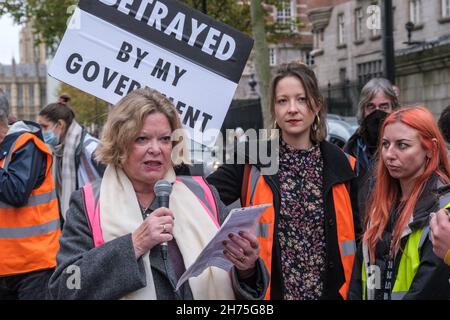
(243, 251)
(156, 228)
(440, 232)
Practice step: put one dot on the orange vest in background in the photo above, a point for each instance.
(29, 235)
(259, 192)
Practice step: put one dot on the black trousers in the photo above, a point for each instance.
(26, 286)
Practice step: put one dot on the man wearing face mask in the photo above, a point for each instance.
(29, 217)
(378, 99)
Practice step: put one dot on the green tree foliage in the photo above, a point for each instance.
(49, 17)
(233, 13)
(88, 109)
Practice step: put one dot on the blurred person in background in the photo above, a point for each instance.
(29, 218)
(378, 99)
(73, 151)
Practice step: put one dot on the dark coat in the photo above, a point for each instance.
(111, 271)
(26, 171)
(228, 180)
(365, 169)
(432, 278)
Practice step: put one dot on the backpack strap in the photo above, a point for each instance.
(92, 211)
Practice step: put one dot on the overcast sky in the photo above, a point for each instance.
(9, 40)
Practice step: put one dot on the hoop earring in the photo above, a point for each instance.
(316, 123)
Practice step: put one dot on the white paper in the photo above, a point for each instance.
(212, 255)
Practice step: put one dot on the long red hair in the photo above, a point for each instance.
(387, 189)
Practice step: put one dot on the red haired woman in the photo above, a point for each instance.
(396, 260)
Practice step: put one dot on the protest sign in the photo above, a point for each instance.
(112, 47)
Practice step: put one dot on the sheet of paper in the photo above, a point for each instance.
(212, 255)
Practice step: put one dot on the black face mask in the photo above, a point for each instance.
(370, 129)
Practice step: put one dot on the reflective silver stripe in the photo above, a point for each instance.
(444, 200)
(254, 177)
(197, 190)
(424, 236)
(14, 233)
(88, 142)
(398, 295)
(348, 248)
(33, 200)
(262, 230)
(9, 155)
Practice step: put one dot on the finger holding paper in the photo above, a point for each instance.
(243, 251)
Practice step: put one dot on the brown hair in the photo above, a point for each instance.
(313, 97)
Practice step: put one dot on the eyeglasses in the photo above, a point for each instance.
(383, 107)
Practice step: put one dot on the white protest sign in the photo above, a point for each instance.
(116, 46)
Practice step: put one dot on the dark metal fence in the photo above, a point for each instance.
(342, 98)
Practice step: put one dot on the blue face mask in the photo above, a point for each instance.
(50, 138)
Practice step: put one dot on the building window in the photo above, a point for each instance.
(316, 39)
(31, 95)
(415, 8)
(369, 70)
(341, 31)
(445, 8)
(359, 20)
(309, 59)
(43, 96)
(7, 91)
(272, 56)
(285, 14)
(19, 96)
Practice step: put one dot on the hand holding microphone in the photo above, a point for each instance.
(162, 190)
(157, 228)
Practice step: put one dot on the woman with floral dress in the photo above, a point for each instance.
(307, 236)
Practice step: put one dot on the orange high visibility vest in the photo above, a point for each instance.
(259, 192)
(29, 235)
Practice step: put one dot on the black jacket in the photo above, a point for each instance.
(432, 278)
(228, 181)
(364, 169)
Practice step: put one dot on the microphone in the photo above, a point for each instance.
(162, 191)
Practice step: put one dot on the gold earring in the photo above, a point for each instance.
(316, 123)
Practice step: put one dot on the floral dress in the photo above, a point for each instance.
(301, 223)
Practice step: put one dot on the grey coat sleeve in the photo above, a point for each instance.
(109, 271)
(249, 289)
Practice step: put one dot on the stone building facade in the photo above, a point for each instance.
(348, 50)
(25, 82)
(292, 15)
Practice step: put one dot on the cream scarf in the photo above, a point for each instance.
(193, 228)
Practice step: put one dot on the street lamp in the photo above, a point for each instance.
(252, 82)
(388, 41)
(409, 28)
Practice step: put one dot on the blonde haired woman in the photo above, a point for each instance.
(118, 251)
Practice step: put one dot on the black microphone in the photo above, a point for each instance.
(162, 191)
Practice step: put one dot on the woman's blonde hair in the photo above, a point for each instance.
(126, 121)
(313, 97)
